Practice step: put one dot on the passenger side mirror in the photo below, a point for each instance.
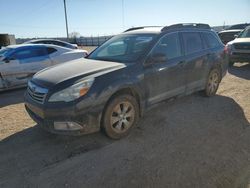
(158, 58)
(7, 60)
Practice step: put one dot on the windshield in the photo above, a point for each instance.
(4, 52)
(123, 48)
(245, 33)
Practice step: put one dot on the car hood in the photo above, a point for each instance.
(231, 31)
(76, 51)
(240, 40)
(75, 69)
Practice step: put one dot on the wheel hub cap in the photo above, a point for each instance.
(122, 117)
(213, 82)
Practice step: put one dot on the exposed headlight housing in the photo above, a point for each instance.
(73, 92)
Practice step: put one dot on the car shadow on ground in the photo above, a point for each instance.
(11, 97)
(240, 70)
(197, 141)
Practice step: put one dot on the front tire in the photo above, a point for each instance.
(120, 116)
(213, 82)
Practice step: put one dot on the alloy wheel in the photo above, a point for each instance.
(213, 82)
(122, 117)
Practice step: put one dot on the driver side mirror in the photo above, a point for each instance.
(158, 58)
(236, 35)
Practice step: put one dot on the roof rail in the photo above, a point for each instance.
(136, 28)
(186, 25)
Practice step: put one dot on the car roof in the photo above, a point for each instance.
(144, 29)
(40, 40)
(16, 46)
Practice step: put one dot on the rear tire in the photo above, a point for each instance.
(120, 116)
(213, 82)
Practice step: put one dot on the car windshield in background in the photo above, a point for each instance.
(4, 52)
(123, 48)
(245, 33)
(239, 26)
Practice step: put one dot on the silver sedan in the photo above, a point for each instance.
(18, 63)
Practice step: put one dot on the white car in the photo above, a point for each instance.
(53, 41)
(239, 48)
(18, 63)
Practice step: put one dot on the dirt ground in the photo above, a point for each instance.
(189, 142)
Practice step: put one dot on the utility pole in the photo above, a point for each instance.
(122, 14)
(66, 20)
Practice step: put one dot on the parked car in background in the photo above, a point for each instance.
(117, 82)
(229, 34)
(239, 49)
(53, 41)
(18, 63)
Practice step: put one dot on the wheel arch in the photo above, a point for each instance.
(126, 90)
(219, 67)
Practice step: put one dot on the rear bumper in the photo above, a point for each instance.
(46, 117)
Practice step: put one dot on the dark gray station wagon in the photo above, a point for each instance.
(124, 77)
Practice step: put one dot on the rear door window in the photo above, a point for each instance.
(192, 42)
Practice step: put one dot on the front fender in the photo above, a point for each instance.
(134, 84)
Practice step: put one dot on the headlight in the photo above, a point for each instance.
(73, 92)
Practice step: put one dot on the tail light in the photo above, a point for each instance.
(227, 49)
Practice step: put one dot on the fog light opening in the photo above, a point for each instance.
(67, 126)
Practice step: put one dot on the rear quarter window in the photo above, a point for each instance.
(51, 50)
(59, 43)
(211, 40)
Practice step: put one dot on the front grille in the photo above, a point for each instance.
(247, 55)
(242, 46)
(37, 93)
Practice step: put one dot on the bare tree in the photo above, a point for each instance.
(74, 34)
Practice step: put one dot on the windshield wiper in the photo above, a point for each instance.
(105, 59)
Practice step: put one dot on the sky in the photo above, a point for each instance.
(45, 18)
